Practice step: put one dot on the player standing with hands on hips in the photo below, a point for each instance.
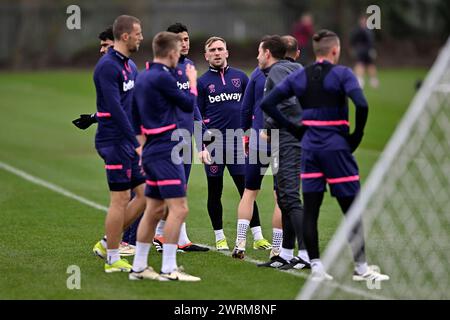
(322, 89)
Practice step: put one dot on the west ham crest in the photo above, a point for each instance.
(236, 82)
(214, 169)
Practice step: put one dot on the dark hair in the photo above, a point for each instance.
(275, 45)
(291, 45)
(106, 34)
(177, 28)
(324, 41)
(124, 24)
(164, 42)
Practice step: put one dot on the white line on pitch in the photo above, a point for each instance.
(100, 207)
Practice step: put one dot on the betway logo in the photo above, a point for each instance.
(183, 86)
(128, 85)
(225, 97)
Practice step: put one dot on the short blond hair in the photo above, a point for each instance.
(164, 42)
(214, 39)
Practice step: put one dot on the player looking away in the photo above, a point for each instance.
(186, 122)
(327, 145)
(252, 117)
(158, 99)
(115, 139)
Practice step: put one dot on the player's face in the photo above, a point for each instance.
(262, 57)
(184, 43)
(134, 38)
(104, 46)
(217, 54)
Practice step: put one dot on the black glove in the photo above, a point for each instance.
(354, 140)
(297, 130)
(85, 121)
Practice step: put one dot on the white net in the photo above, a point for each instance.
(405, 206)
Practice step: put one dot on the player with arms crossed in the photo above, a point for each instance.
(322, 89)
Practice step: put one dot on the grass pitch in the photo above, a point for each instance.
(42, 233)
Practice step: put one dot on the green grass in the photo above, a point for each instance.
(42, 232)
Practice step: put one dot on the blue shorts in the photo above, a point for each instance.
(164, 179)
(123, 171)
(255, 170)
(235, 165)
(337, 168)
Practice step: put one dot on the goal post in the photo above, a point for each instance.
(404, 205)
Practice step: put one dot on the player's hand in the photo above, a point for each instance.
(139, 151)
(191, 74)
(245, 143)
(85, 121)
(264, 134)
(354, 140)
(297, 130)
(205, 157)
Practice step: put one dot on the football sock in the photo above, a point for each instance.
(287, 254)
(183, 239)
(219, 234)
(113, 255)
(356, 236)
(141, 256)
(312, 202)
(169, 259)
(277, 238)
(242, 226)
(214, 203)
(361, 267)
(160, 228)
(104, 243)
(316, 265)
(257, 233)
(239, 182)
(303, 254)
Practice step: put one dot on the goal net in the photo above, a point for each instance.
(405, 207)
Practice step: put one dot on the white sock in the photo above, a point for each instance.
(169, 259)
(160, 228)
(242, 227)
(219, 234)
(113, 255)
(361, 267)
(104, 243)
(257, 233)
(303, 254)
(141, 257)
(287, 254)
(183, 239)
(277, 238)
(361, 82)
(316, 265)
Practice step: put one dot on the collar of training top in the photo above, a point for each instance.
(216, 70)
(116, 53)
(182, 58)
(289, 59)
(162, 66)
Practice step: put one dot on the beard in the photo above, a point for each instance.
(133, 48)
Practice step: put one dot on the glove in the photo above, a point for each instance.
(85, 121)
(354, 140)
(297, 130)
